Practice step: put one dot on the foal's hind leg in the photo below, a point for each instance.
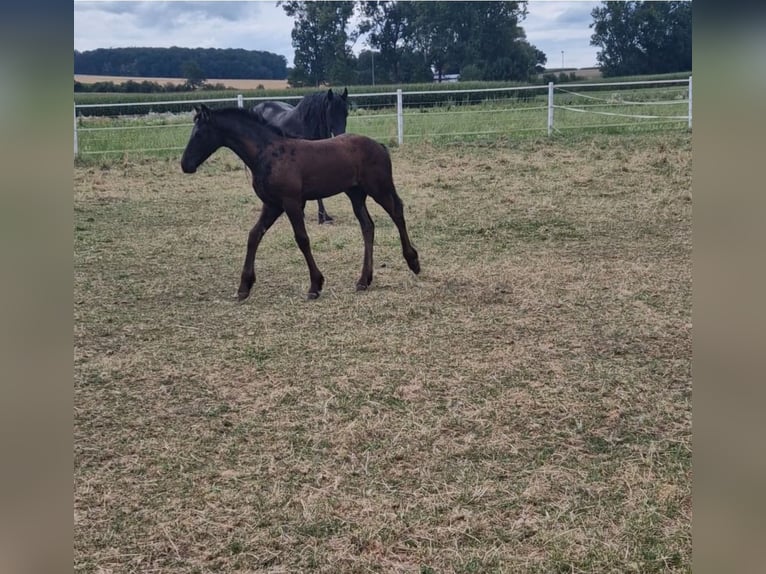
(269, 214)
(390, 201)
(295, 213)
(322, 215)
(368, 234)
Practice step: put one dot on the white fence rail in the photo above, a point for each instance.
(396, 117)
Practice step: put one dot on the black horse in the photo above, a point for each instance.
(316, 117)
(288, 172)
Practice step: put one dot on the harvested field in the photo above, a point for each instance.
(236, 84)
(523, 405)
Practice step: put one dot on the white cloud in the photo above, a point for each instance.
(248, 25)
(558, 25)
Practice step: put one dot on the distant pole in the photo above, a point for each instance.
(373, 67)
(240, 101)
(562, 59)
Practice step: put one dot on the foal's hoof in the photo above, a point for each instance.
(415, 266)
(361, 287)
(242, 295)
(311, 296)
(325, 219)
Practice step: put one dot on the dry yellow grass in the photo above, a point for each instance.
(524, 405)
(237, 84)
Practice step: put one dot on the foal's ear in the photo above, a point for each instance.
(329, 94)
(344, 95)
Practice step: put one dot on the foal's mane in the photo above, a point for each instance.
(243, 115)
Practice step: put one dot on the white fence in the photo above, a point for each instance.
(400, 116)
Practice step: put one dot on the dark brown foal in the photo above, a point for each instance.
(289, 172)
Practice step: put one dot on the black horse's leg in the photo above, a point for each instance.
(295, 213)
(392, 203)
(269, 214)
(322, 215)
(358, 198)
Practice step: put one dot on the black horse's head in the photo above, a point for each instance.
(204, 140)
(336, 112)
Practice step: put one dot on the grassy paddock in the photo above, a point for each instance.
(433, 121)
(524, 405)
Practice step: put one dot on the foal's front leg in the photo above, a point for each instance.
(295, 213)
(269, 214)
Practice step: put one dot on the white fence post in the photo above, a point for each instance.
(75, 130)
(399, 117)
(550, 108)
(690, 102)
(240, 101)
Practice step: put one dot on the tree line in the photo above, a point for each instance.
(192, 63)
(417, 41)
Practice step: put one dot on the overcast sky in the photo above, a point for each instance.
(552, 26)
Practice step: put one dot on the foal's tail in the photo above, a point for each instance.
(388, 156)
(398, 205)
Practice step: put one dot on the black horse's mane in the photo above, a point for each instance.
(246, 114)
(311, 112)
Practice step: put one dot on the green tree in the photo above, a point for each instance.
(494, 41)
(485, 37)
(389, 27)
(413, 67)
(320, 40)
(434, 33)
(642, 37)
(193, 74)
(365, 64)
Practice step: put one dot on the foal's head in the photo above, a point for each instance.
(204, 140)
